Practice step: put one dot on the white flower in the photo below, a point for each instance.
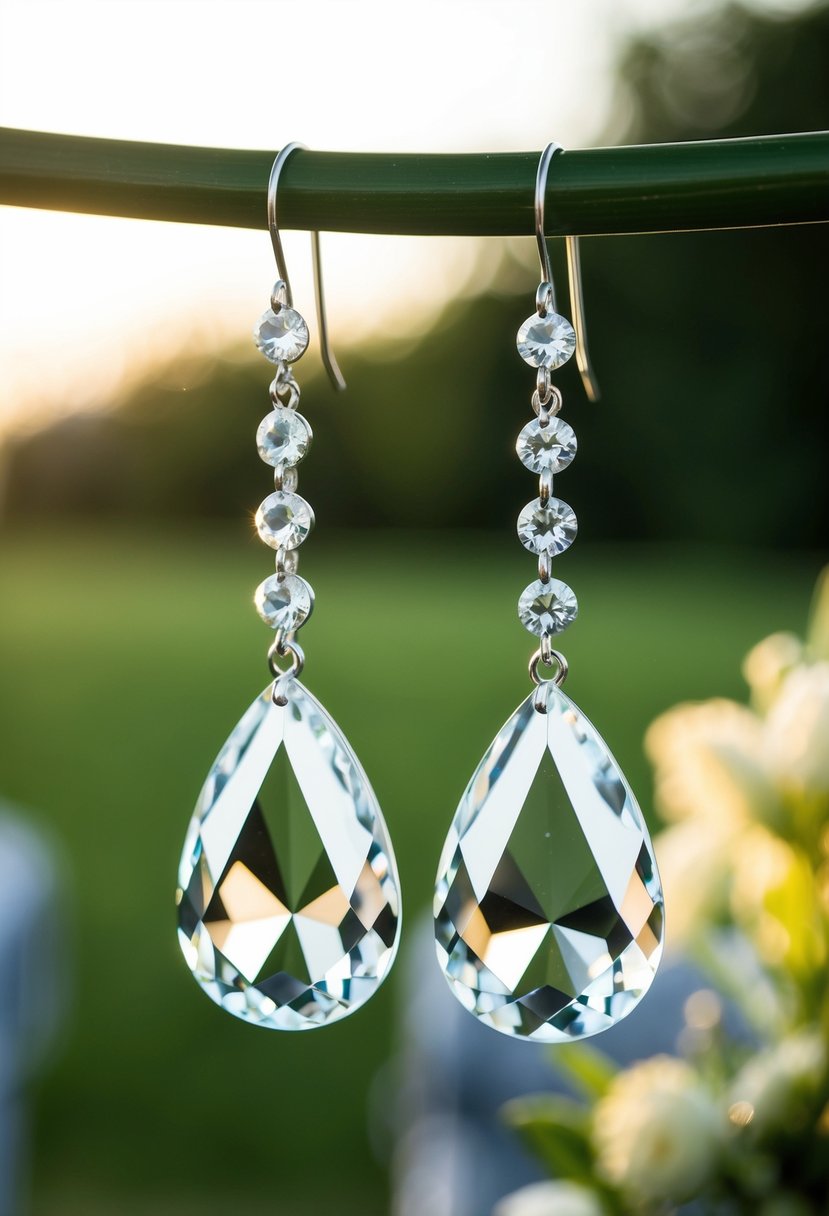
(797, 731)
(773, 899)
(658, 1132)
(768, 663)
(695, 868)
(775, 1082)
(550, 1199)
(710, 763)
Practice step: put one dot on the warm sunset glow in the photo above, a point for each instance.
(85, 300)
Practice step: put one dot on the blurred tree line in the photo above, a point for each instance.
(710, 349)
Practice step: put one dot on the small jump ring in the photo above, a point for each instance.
(549, 404)
(280, 648)
(279, 295)
(544, 299)
(555, 658)
(545, 486)
(284, 393)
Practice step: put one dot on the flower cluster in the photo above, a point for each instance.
(734, 1123)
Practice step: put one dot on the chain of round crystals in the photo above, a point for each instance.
(546, 526)
(284, 519)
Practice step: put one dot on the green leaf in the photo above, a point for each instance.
(818, 634)
(557, 1130)
(589, 1070)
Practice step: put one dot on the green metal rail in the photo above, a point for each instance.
(730, 183)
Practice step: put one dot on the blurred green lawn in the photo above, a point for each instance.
(126, 660)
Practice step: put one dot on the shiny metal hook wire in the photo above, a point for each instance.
(583, 363)
(329, 362)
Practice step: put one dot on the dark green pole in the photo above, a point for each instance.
(730, 183)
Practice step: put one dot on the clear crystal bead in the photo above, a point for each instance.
(547, 528)
(284, 519)
(548, 904)
(281, 336)
(546, 449)
(284, 601)
(546, 341)
(283, 437)
(546, 608)
(288, 897)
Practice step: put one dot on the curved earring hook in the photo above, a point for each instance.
(329, 362)
(583, 363)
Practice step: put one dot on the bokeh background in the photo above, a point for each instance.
(132, 391)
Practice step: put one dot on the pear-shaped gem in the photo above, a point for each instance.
(288, 896)
(548, 905)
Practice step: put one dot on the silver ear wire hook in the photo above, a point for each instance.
(329, 362)
(583, 363)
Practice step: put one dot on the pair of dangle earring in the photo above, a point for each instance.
(548, 907)
(288, 896)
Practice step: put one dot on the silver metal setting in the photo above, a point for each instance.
(280, 296)
(284, 389)
(554, 658)
(286, 561)
(547, 409)
(545, 488)
(281, 648)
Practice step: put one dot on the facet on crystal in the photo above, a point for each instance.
(284, 601)
(546, 449)
(547, 527)
(288, 897)
(281, 336)
(547, 341)
(283, 437)
(284, 520)
(548, 905)
(547, 607)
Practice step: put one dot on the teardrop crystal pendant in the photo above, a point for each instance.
(548, 905)
(288, 897)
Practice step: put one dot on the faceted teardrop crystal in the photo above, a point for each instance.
(548, 904)
(288, 897)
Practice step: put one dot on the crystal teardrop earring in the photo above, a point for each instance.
(288, 896)
(548, 905)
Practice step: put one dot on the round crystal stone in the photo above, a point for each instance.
(546, 341)
(549, 528)
(284, 601)
(546, 608)
(283, 437)
(284, 520)
(546, 449)
(281, 336)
